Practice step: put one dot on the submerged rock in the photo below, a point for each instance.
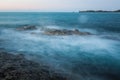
(111, 38)
(26, 27)
(65, 32)
(16, 67)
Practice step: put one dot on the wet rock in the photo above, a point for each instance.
(65, 32)
(26, 27)
(16, 67)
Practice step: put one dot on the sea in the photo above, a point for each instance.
(86, 57)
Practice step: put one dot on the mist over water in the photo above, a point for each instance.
(93, 57)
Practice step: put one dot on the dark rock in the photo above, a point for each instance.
(65, 32)
(26, 27)
(16, 67)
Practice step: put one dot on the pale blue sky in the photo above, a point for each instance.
(58, 5)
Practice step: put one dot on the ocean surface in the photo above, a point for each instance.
(93, 57)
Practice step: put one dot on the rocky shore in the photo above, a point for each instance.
(16, 67)
(65, 32)
(52, 32)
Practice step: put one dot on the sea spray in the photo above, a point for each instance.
(91, 57)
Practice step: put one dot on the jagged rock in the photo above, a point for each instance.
(26, 27)
(65, 32)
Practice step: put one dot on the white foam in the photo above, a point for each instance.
(61, 51)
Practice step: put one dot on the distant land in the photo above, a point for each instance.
(99, 11)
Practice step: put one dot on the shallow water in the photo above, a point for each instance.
(93, 57)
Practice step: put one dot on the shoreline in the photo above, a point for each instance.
(17, 67)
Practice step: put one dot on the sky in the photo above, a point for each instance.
(58, 5)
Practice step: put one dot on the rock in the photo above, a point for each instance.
(16, 67)
(26, 27)
(65, 32)
(33, 33)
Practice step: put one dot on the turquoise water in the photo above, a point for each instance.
(94, 57)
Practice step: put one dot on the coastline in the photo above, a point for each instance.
(100, 11)
(17, 67)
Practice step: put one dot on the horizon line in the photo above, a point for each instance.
(61, 11)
